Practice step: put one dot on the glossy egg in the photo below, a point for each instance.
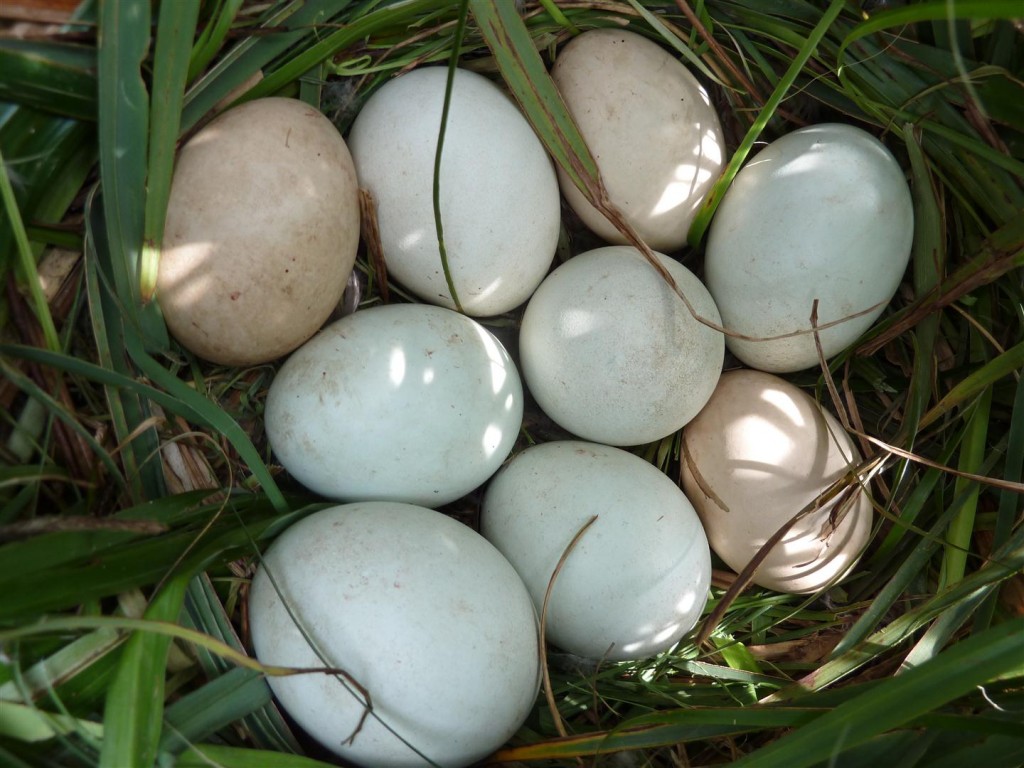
(825, 214)
(649, 125)
(498, 191)
(636, 581)
(261, 233)
(417, 609)
(612, 354)
(758, 453)
(407, 402)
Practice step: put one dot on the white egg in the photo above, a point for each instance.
(612, 354)
(498, 191)
(406, 402)
(636, 581)
(822, 213)
(759, 452)
(651, 128)
(419, 610)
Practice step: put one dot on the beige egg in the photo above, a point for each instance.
(261, 233)
(651, 128)
(758, 453)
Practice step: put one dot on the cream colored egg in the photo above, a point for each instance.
(261, 233)
(420, 611)
(756, 455)
(499, 198)
(825, 214)
(612, 354)
(636, 581)
(651, 128)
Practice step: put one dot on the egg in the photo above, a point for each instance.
(499, 200)
(823, 213)
(651, 128)
(637, 579)
(758, 453)
(417, 609)
(407, 402)
(261, 232)
(612, 354)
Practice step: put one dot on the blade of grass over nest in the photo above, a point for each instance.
(523, 71)
(453, 61)
(961, 527)
(65, 664)
(684, 50)
(135, 702)
(212, 36)
(54, 77)
(175, 30)
(205, 613)
(204, 711)
(662, 729)
(27, 724)
(207, 755)
(124, 29)
(1001, 253)
(287, 25)
(805, 50)
(1009, 362)
(27, 263)
(129, 410)
(394, 15)
(896, 701)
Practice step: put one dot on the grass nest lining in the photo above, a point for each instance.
(135, 480)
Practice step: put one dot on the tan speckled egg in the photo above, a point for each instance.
(261, 233)
(651, 128)
(758, 453)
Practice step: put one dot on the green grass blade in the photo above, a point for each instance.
(702, 220)
(957, 671)
(212, 37)
(124, 34)
(135, 702)
(176, 28)
(961, 527)
(26, 261)
(206, 755)
(524, 73)
(54, 77)
(204, 711)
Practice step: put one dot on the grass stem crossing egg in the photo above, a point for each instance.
(756, 455)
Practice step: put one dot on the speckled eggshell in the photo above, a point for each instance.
(261, 233)
(759, 452)
(498, 192)
(612, 354)
(421, 611)
(651, 128)
(406, 402)
(637, 579)
(822, 213)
